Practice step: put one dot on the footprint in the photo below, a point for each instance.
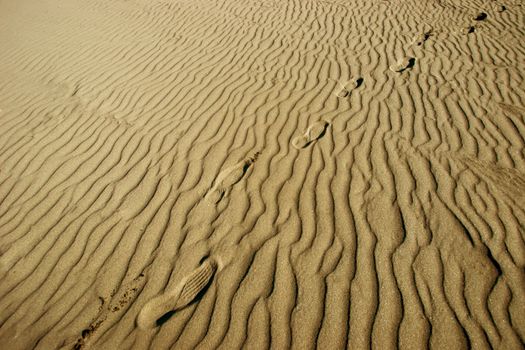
(403, 64)
(179, 297)
(229, 177)
(480, 16)
(345, 89)
(468, 29)
(512, 110)
(421, 38)
(313, 133)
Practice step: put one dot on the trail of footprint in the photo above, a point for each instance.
(229, 177)
(471, 28)
(346, 88)
(179, 297)
(313, 133)
(118, 300)
(403, 64)
(478, 17)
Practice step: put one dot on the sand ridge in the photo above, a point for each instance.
(257, 174)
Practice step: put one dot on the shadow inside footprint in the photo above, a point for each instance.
(164, 318)
(358, 82)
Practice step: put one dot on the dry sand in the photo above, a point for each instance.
(194, 174)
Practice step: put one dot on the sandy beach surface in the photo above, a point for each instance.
(285, 174)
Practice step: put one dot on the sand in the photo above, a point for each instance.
(256, 174)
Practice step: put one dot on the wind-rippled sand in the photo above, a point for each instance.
(329, 174)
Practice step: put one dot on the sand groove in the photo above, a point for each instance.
(262, 174)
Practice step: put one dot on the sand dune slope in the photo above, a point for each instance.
(223, 174)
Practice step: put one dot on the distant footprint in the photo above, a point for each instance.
(179, 297)
(403, 64)
(421, 38)
(346, 88)
(229, 177)
(313, 133)
(468, 29)
(480, 16)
